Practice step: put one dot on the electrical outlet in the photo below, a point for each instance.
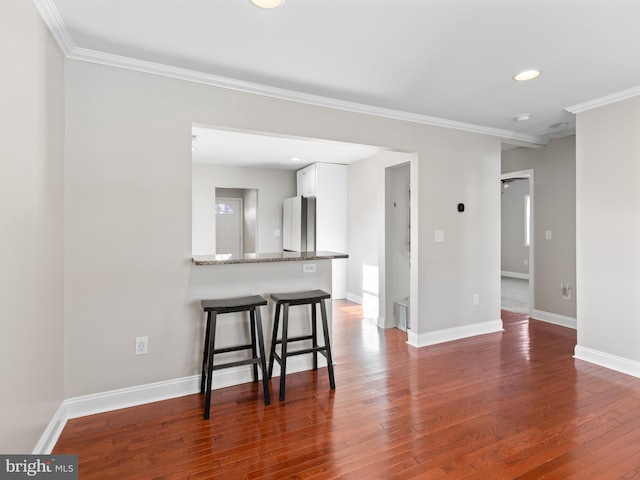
(308, 267)
(566, 291)
(142, 345)
(476, 299)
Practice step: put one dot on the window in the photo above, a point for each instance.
(223, 209)
(527, 220)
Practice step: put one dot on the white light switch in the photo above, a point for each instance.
(438, 236)
(547, 234)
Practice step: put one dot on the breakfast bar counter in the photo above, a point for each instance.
(227, 259)
(224, 276)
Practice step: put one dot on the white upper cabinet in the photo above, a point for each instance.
(307, 179)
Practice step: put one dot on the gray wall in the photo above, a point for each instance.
(32, 219)
(608, 232)
(129, 233)
(273, 187)
(515, 255)
(109, 217)
(554, 207)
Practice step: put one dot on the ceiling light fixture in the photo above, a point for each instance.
(526, 75)
(522, 117)
(267, 3)
(294, 159)
(559, 125)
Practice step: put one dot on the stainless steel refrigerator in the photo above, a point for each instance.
(299, 224)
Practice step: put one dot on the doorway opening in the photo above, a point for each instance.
(398, 246)
(517, 241)
(236, 221)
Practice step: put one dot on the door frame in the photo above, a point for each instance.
(241, 229)
(530, 174)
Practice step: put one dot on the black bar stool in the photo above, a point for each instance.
(212, 308)
(313, 298)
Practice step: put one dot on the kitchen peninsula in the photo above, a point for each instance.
(224, 276)
(226, 259)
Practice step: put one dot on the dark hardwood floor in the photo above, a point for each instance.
(510, 405)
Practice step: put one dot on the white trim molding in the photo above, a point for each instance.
(555, 318)
(51, 433)
(602, 101)
(54, 22)
(455, 333)
(56, 26)
(612, 362)
(521, 276)
(352, 297)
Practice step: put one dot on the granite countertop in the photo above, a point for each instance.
(227, 259)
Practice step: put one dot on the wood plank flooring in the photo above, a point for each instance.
(510, 405)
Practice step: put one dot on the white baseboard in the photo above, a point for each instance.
(355, 298)
(153, 392)
(456, 333)
(51, 433)
(522, 276)
(612, 362)
(555, 318)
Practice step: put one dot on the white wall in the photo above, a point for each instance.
(456, 169)
(273, 187)
(31, 236)
(608, 233)
(129, 231)
(368, 232)
(554, 209)
(332, 219)
(364, 222)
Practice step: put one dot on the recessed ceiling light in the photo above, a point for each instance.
(559, 125)
(526, 75)
(294, 159)
(522, 117)
(267, 3)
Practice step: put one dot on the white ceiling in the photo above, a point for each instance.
(221, 147)
(431, 61)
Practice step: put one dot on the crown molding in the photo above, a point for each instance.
(606, 100)
(52, 18)
(144, 66)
